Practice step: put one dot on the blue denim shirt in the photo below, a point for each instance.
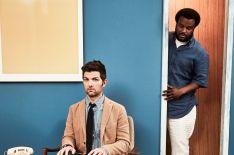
(98, 110)
(186, 64)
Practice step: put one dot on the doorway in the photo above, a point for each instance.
(211, 34)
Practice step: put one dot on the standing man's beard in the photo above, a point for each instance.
(183, 37)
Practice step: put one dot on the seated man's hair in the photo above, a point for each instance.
(95, 65)
(189, 14)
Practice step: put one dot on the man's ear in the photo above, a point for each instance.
(104, 82)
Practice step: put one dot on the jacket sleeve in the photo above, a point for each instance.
(69, 137)
(121, 145)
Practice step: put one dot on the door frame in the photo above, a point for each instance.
(164, 77)
(227, 76)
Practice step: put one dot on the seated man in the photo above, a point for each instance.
(96, 125)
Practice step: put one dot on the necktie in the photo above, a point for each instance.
(89, 129)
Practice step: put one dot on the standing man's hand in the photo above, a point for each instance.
(172, 93)
(66, 150)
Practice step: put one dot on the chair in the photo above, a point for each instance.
(132, 150)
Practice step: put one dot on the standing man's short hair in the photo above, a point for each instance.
(189, 14)
(95, 65)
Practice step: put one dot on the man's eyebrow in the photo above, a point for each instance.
(96, 77)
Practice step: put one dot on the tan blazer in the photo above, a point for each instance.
(114, 136)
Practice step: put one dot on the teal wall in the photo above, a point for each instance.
(126, 35)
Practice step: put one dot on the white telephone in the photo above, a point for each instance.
(21, 150)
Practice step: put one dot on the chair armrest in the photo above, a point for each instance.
(134, 151)
(45, 150)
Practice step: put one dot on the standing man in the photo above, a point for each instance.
(108, 132)
(188, 65)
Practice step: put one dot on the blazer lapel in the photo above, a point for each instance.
(82, 118)
(105, 116)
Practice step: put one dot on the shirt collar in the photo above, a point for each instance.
(180, 43)
(99, 102)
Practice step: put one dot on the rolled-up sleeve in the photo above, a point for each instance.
(201, 70)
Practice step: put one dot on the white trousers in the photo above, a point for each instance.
(180, 130)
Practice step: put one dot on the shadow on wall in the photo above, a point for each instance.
(122, 94)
